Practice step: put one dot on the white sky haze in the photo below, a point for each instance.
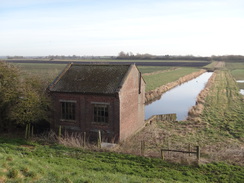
(106, 27)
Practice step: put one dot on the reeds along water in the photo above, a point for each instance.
(196, 110)
(156, 93)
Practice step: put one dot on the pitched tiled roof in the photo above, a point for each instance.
(99, 79)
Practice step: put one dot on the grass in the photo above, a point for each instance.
(159, 79)
(25, 161)
(224, 109)
(237, 70)
(151, 69)
(45, 71)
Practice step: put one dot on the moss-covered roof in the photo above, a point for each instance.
(98, 79)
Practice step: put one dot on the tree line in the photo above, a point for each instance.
(129, 55)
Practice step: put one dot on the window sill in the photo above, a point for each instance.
(67, 121)
(100, 123)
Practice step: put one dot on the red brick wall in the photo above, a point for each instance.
(132, 104)
(84, 114)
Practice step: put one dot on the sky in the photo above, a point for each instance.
(106, 27)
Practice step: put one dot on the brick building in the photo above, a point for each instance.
(109, 98)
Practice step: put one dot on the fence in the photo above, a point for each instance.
(197, 152)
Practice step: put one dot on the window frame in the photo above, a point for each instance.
(69, 113)
(100, 113)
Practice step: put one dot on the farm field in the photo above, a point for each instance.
(237, 70)
(168, 74)
(37, 162)
(158, 79)
(43, 69)
(103, 60)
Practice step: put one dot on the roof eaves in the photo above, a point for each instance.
(87, 93)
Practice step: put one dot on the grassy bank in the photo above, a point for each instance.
(224, 109)
(23, 161)
(159, 79)
(237, 70)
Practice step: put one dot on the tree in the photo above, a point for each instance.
(22, 100)
(9, 80)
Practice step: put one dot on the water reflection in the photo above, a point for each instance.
(179, 99)
(241, 90)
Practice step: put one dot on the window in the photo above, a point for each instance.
(68, 110)
(100, 113)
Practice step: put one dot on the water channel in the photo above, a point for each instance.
(179, 99)
(241, 90)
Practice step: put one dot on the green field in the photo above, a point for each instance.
(23, 161)
(45, 71)
(224, 109)
(151, 69)
(169, 74)
(156, 80)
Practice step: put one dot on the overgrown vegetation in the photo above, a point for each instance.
(22, 99)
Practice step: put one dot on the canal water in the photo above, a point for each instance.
(179, 99)
(241, 90)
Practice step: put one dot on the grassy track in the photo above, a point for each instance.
(224, 109)
(31, 162)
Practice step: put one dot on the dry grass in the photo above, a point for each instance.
(179, 136)
(195, 112)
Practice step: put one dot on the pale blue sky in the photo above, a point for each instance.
(106, 27)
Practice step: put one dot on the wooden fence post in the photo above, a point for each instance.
(29, 130)
(142, 147)
(162, 154)
(59, 131)
(84, 139)
(99, 140)
(32, 131)
(198, 153)
(26, 131)
(189, 149)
